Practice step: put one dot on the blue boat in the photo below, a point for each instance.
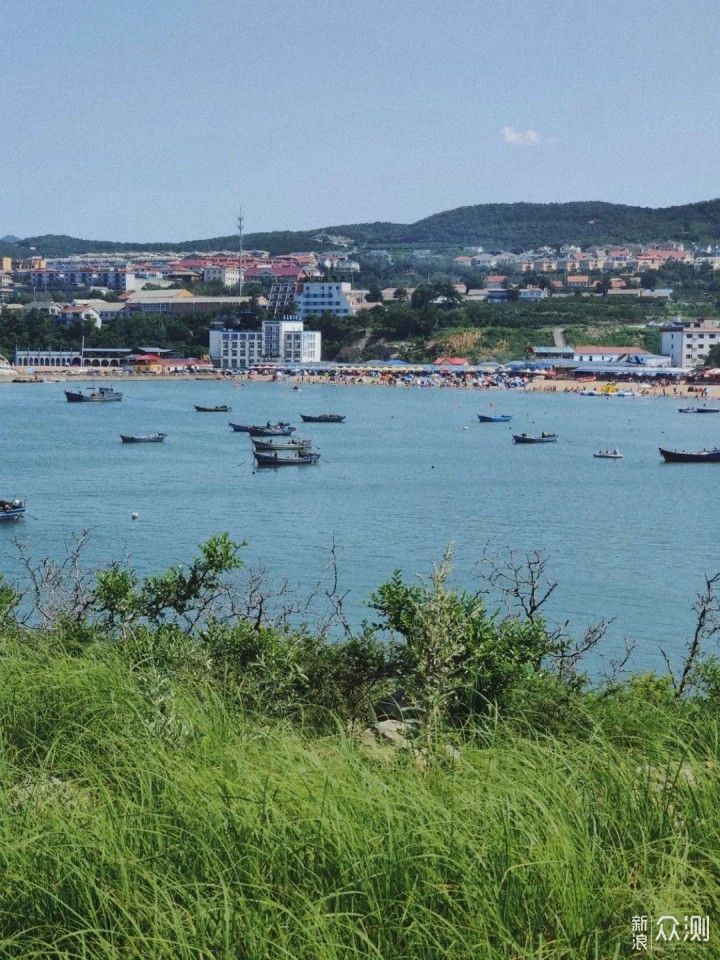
(685, 456)
(280, 429)
(497, 418)
(12, 509)
(92, 395)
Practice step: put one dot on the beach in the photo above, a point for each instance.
(445, 380)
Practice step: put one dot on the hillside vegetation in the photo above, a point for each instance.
(183, 782)
(497, 225)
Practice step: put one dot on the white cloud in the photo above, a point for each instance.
(524, 138)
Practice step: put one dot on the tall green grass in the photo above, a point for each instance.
(141, 817)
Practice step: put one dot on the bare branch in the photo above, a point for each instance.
(707, 625)
(522, 581)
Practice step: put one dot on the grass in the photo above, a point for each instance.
(142, 817)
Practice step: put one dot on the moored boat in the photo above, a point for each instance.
(255, 429)
(542, 438)
(12, 509)
(699, 409)
(274, 430)
(142, 437)
(221, 408)
(93, 395)
(322, 418)
(608, 455)
(301, 458)
(282, 444)
(690, 456)
(496, 418)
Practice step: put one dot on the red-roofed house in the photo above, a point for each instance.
(451, 362)
(496, 281)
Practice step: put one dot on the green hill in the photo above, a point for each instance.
(519, 226)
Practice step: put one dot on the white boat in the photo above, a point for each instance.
(608, 455)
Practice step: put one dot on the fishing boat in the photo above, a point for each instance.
(543, 438)
(293, 444)
(142, 437)
(12, 509)
(699, 409)
(301, 458)
(253, 428)
(93, 395)
(279, 430)
(322, 418)
(697, 456)
(221, 408)
(497, 418)
(608, 455)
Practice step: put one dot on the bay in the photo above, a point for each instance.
(410, 472)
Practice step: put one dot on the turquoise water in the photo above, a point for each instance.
(410, 471)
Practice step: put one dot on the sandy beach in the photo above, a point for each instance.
(556, 385)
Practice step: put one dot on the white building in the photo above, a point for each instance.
(688, 344)
(321, 297)
(227, 276)
(279, 341)
(610, 354)
(106, 310)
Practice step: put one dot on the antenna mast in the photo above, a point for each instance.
(242, 269)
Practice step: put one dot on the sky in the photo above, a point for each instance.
(152, 120)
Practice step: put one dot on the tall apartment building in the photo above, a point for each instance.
(320, 297)
(279, 341)
(302, 300)
(281, 301)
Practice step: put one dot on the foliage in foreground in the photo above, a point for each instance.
(183, 780)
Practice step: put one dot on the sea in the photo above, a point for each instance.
(409, 475)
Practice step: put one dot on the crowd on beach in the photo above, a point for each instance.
(458, 380)
(445, 379)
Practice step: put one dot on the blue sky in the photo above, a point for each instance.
(157, 120)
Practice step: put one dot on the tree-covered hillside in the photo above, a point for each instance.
(495, 225)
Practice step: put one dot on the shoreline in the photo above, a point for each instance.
(688, 391)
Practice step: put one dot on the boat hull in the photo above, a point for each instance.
(500, 418)
(683, 456)
(221, 409)
(273, 460)
(12, 510)
(322, 418)
(150, 438)
(270, 445)
(699, 409)
(255, 430)
(271, 431)
(521, 438)
(103, 395)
